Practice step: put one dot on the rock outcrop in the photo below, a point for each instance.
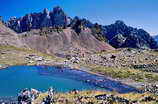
(56, 18)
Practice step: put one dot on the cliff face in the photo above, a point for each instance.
(64, 40)
(9, 37)
(55, 18)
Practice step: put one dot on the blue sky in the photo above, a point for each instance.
(136, 13)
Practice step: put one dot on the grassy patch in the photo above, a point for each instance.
(10, 55)
(124, 73)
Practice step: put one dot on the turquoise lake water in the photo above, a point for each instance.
(14, 79)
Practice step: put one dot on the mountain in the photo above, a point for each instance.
(50, 32)
(119, 35)
(9, 37)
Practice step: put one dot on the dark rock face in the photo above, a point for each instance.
(56, 18)
(80, 24)
(120, 35)
(46, 19)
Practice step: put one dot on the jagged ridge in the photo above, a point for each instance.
(118, 34)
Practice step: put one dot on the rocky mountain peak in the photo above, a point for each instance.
(119, 22)
(59, 18)
(46, 11)
(58, 10)
(45, 18)
(55, 18)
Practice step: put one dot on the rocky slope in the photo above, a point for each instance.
(118, 34)
(50, 40)
(9, 37)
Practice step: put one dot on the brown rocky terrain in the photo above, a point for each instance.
(50, 40)
(9, 37)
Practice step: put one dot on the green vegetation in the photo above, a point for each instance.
(10, 55)
(125, 73)
(29, 51)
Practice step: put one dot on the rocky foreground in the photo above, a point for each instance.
(34, 96)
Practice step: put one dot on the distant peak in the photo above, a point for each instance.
(13, 18)
(120, 22)
(45, 11)
(76, 17)
(57, 9)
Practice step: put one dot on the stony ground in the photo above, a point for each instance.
(139, 65)
(131, 66)
(98, 97)
(124, 58)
